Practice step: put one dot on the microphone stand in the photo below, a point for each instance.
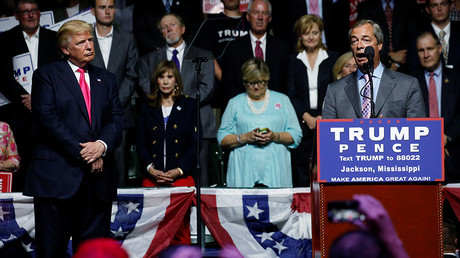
(200, 226)
(371, 85)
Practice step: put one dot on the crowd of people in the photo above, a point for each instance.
(259, 81)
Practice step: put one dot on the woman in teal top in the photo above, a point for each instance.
(259, 127)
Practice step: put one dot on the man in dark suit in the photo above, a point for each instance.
(116, 51)
(397, 35)
(273, 51)
(172, 27)
(441, 25)
(146, 15)
(15, 104)
(395, 94)
(80, 122)
(441, 93)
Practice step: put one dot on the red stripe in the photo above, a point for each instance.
(180, 203)
(301, 202)
(210, 216)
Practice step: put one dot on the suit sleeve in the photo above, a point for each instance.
(112, 129)
(142, 149)
(45, 112)
(299, 106)
(130, 77)
(329, 104)
(207, 84)
(144, 72)
(188, 160)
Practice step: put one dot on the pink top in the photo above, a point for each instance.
(8, 150)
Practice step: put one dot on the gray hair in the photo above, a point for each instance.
(265, 1)
(377, 30)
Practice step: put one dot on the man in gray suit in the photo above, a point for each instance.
(116, 51)
(395, 94)
(172, 28)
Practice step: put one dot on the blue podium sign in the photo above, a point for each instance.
(380, 150)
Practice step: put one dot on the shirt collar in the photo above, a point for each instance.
(26, 37)
(377, 72)
(109, 35)
(180, 48)
(437, 29)
(437, 71)
(254, 39)
(74, 67)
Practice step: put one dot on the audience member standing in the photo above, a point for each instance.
(80, 122)
(344, 65)
(177, 50)
(447, 31)
(258, 43)
(395, 94)
(441, 93)
(70, 8)
(397, 19)
(455, 11)
(167, 136)
(116, 51)
(9, 158)
(309, 74)
(15, 100)
(334, 13)
(259, 127)
(147, 14)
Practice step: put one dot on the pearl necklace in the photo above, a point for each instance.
(264, 106)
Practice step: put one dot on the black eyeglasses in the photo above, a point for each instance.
(28, 12)
(261, 83)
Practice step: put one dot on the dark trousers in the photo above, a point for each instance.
(82, 217)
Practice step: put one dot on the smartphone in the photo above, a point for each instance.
(263, 130)
(344, 211)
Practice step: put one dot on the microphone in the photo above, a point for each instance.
(369, 53)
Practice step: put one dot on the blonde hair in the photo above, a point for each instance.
(304, 24)
(70, 28)
(341, 61)
(255, 69)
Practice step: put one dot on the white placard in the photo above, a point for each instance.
(23, 70)
(86, 16)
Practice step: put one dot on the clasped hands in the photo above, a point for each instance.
(164, 178)
(91, 152)
(259, 137)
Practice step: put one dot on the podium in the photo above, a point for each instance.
(398, 161)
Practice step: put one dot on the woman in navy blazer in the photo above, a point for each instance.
(310, 72)
(166, 140)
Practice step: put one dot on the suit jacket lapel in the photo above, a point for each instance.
(385, 88)
(96, 85)
(353, 95)
(98, 60)
(68, 75)
(114, 49)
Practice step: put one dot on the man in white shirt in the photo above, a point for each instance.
(116, 51)
(15, 100)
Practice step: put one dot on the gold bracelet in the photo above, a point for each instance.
(181, 172)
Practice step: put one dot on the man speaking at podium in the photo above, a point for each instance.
(393, 94)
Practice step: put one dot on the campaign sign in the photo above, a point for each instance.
(380, 150)
(6, 180)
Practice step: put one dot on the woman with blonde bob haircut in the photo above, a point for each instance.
(309, 74)
(344, 65)
(259, 127)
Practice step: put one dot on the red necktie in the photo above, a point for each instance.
(366, 107)
(259, 53)
(85, 90)
(433, 97)
(389, 16)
